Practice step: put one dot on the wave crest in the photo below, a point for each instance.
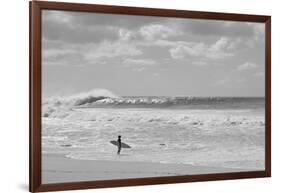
(92, 96)
(61, 106)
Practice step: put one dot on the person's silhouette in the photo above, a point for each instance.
(119, 144)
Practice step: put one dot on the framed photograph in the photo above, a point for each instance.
(126, 96)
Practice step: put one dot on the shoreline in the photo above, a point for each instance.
(56, 168)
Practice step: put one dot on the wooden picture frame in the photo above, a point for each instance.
(36, 8)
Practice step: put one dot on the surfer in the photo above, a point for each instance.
(119, 144)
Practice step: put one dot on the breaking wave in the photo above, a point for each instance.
(102, 98)
(92, 96)
(177, 102)
(60, 105)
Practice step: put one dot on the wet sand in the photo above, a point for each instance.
(58, 169)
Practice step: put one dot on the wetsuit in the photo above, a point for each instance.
(119, 145)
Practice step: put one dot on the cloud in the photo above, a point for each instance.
(148, 33)
(126, 35)
(151, 26)
(88, 54)
(108, 49)
(187, 49)
(138, 65)
(138, 62)
(129, 22)
(81, 27)
(234, 43)
(217, 28)
(58, 16)
(157, 31)
(71, 38)
(59, 56)
(222, 43)
(65, 27)
(220, 49)
(247, 66)
(258, 30)
(58, 53)
(47, 53)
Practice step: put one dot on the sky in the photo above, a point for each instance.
(150, 56)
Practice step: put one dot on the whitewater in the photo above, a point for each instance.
(203, 131)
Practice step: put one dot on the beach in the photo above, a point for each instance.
(56, 168)
(168, 136)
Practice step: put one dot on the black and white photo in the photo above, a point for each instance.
(127, 96)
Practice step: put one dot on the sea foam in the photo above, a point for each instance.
(210, 131)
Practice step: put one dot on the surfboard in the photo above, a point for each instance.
(123, 145)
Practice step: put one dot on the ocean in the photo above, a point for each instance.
(201, 131)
